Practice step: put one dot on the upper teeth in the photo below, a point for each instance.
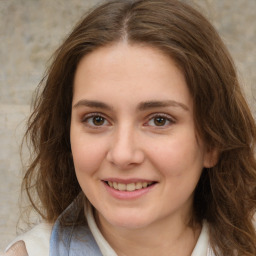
(128, 187)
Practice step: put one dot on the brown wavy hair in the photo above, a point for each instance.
(226, 194)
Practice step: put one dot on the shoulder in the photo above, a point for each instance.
(36, 240)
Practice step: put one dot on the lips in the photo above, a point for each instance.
(130, 189)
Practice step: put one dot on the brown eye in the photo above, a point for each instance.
(98, 120)
(160, 121)
(95, 121)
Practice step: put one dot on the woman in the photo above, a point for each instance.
(144, 143)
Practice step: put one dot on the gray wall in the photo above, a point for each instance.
(30, 30)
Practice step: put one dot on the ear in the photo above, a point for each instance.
(211, 158)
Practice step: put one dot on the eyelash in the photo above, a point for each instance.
(152, 117)
(89, 116)
(165, 117)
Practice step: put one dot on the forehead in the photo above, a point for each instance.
(120, 55)
(130, 70)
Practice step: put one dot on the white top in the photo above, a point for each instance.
(200, 249)
(37, 240)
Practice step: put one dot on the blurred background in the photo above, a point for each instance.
(30, 31)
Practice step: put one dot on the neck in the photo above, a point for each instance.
(179, 239)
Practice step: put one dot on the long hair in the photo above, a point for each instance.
(226, 194)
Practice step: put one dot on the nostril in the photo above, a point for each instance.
(123, 158)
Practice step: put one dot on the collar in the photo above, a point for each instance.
(202, 247)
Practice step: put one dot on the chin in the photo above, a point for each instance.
(129, 221)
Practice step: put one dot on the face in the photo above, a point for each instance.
(136, 153)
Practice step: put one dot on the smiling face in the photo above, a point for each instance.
(135, 150)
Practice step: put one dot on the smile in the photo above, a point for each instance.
(129, 187)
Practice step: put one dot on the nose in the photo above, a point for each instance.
(125, 150)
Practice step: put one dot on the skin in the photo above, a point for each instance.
(132, 119)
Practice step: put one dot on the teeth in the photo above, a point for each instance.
(114, 185)
(130, 186)
(138, 185)
(144, 184)
(121, 186)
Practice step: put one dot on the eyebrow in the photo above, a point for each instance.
(92, 104)
(141, 107)
(158, 104)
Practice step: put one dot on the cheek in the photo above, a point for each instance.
(177, 156)
(87, 154)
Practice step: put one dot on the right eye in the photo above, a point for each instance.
(95, 120)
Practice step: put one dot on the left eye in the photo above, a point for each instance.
(95, 120)
(159, 121)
